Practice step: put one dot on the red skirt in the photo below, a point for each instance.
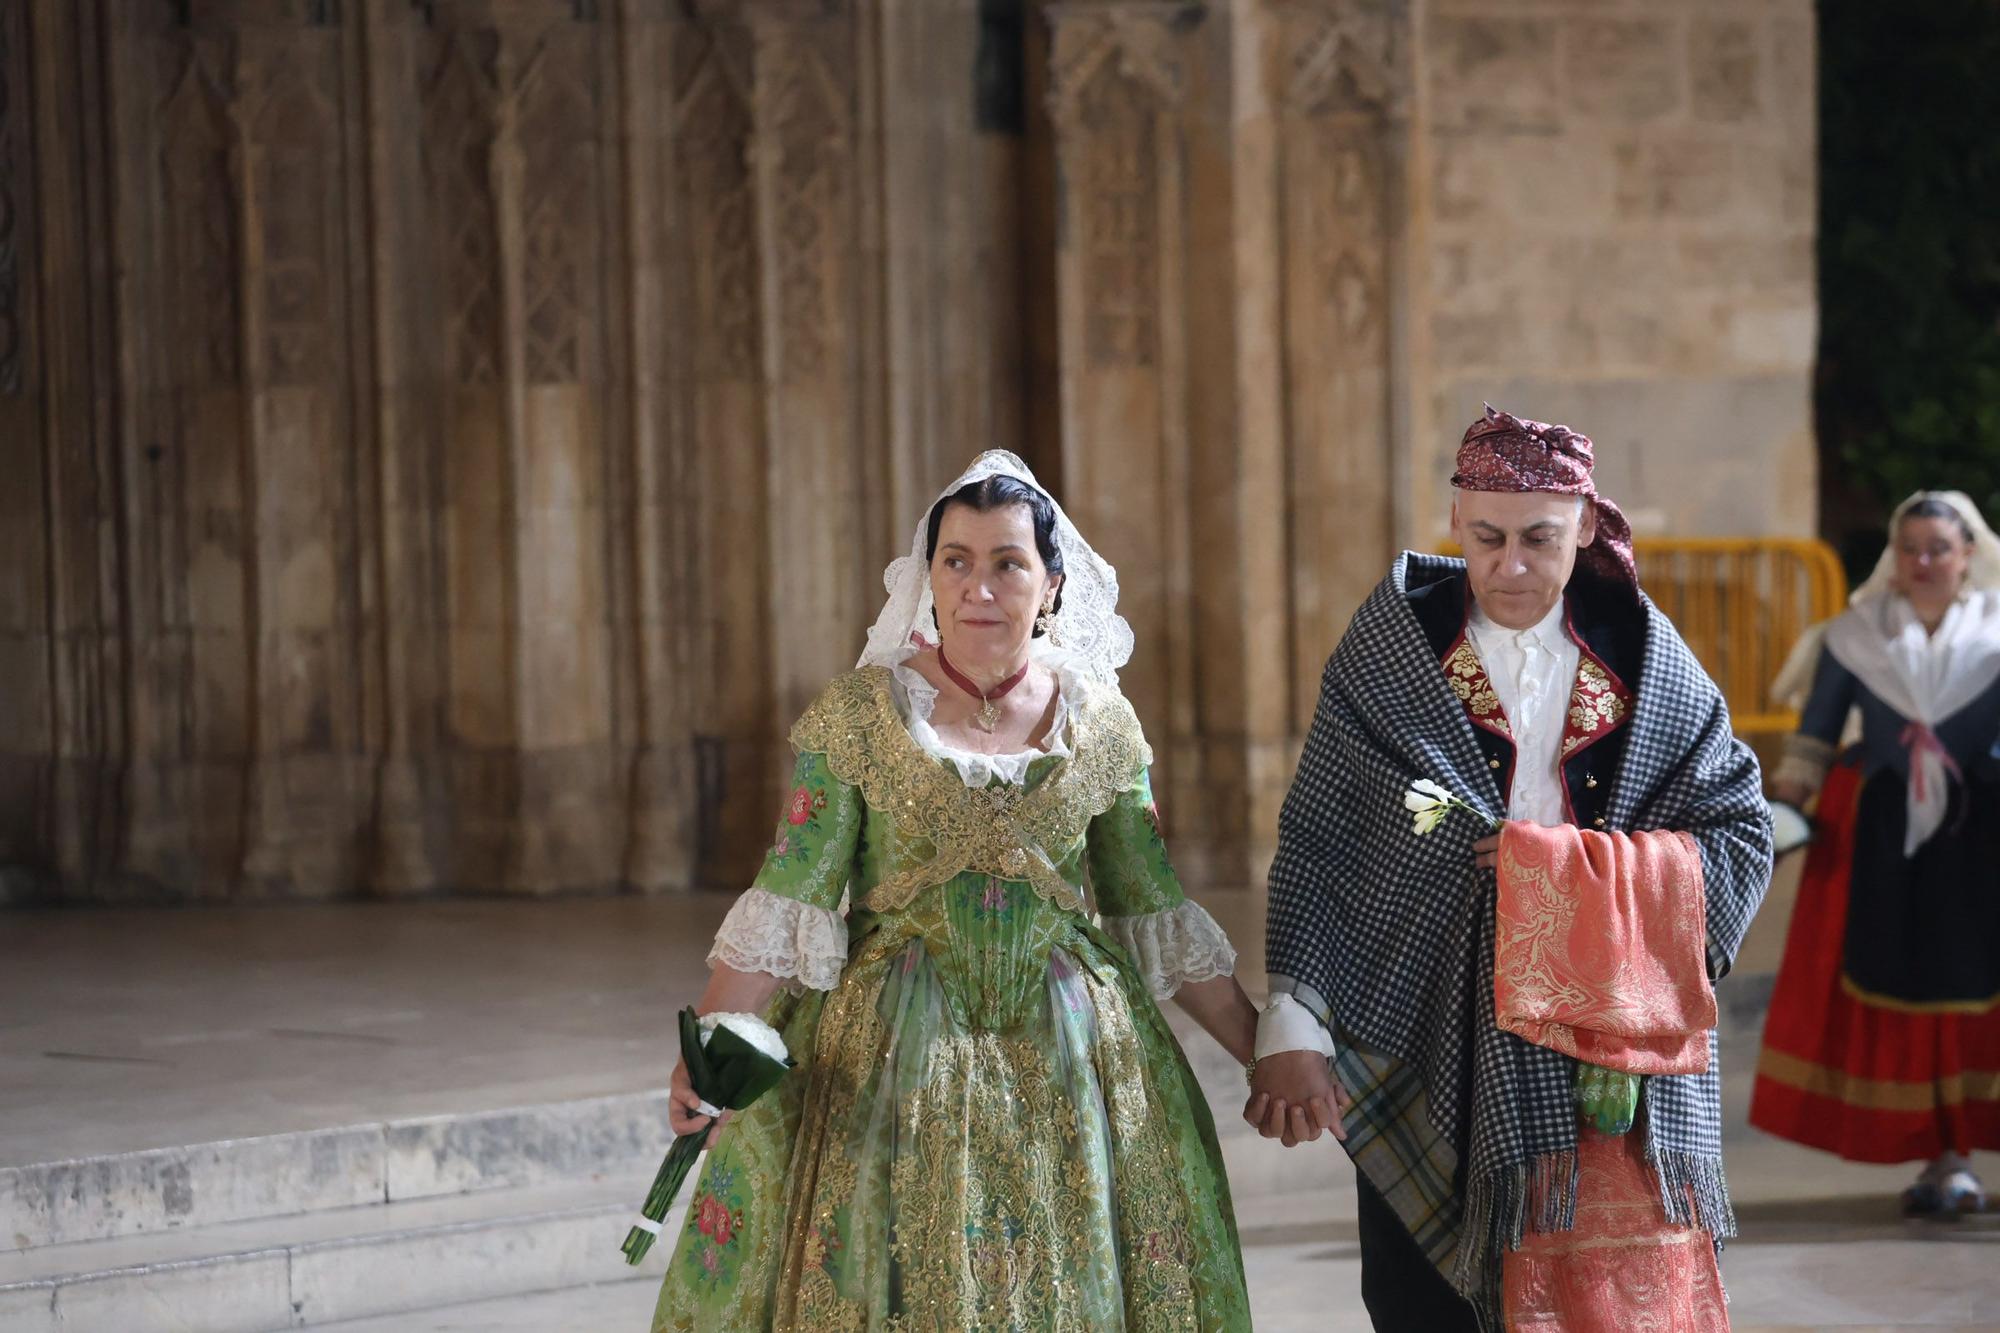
(1870, 1083)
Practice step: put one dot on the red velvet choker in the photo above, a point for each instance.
(989, 706)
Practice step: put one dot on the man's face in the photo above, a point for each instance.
(1520, 548)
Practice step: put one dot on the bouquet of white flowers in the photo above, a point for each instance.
(732, 1060)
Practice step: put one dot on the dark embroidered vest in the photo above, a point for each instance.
(1609, 634)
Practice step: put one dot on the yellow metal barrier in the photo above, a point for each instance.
(1741, 602)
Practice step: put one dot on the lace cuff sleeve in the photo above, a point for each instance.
(792, 940)
(1171, 947)
(1805, 761)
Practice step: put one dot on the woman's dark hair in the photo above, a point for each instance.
(992, 493)
(1921, 509)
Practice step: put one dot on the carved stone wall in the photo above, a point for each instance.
(450, 440)
(447, 463)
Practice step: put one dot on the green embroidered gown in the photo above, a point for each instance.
(990, 1125)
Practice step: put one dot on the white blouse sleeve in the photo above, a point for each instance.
(1173, 947)
(768, 932)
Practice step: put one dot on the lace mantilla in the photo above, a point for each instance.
(1008, 832)
(1173, 947)
(795, 941)
(1094, 636)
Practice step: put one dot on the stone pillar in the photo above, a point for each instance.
(1232, 304)
(28, 619)
(658, 52)
(405, 566)
(185, 413)
(1118, 81)
(559, 229)
(293, 120)
(1341, 105)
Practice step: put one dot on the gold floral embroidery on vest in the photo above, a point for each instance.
(1005, 831)
(1467, 675)
(1599, 703)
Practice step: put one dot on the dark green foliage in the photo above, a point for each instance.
(1909, 250)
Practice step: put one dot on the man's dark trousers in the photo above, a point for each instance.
(1403, 1290)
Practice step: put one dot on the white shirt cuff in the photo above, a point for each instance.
(1287, 1025)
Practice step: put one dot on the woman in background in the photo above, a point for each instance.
(1883, 1041)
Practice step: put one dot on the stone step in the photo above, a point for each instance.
(618, 1138)
(335, 1265)
(198, 1185)
(1299, 1256)
(623, 1307)
(388, 1260)
(614, 1138)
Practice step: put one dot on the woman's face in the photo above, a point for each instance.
(989, 583)
(1932, 556)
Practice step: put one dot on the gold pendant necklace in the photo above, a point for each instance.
(988, 715)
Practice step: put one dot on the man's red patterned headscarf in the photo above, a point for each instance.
(1503, 452)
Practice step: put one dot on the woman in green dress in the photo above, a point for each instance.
(961, 929)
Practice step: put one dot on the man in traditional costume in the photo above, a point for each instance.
(1520, 1024)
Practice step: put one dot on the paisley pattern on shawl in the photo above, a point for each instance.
(1623, 1269)
(1599, 947)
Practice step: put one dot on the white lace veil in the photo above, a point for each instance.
(1795, 679)
(1094, 638)
(1983, 572)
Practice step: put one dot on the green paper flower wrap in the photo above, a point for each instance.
(732, 1060)
(1607, 1098)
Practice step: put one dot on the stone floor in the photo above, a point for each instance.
(139, 1029)
(1814, 1264)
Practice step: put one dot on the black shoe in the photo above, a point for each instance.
(1923, 1199)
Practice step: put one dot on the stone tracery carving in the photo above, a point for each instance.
(557, 136)
(292, 126)
(1340, 84)
(199, 178)
(713, 146)
(1140, 38)
(458, 124)
(806, 108)
(482, 131)
(1115, 71)
(1120, 210)
(1344, 56)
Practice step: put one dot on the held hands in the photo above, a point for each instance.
(1293, 1097)
(682, 1117)
(1486, 852)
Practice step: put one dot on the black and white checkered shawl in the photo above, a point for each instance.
(1471, 1132)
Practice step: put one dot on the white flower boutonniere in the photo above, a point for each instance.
(1429, 802)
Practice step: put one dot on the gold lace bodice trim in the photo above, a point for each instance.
(1010, 832)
